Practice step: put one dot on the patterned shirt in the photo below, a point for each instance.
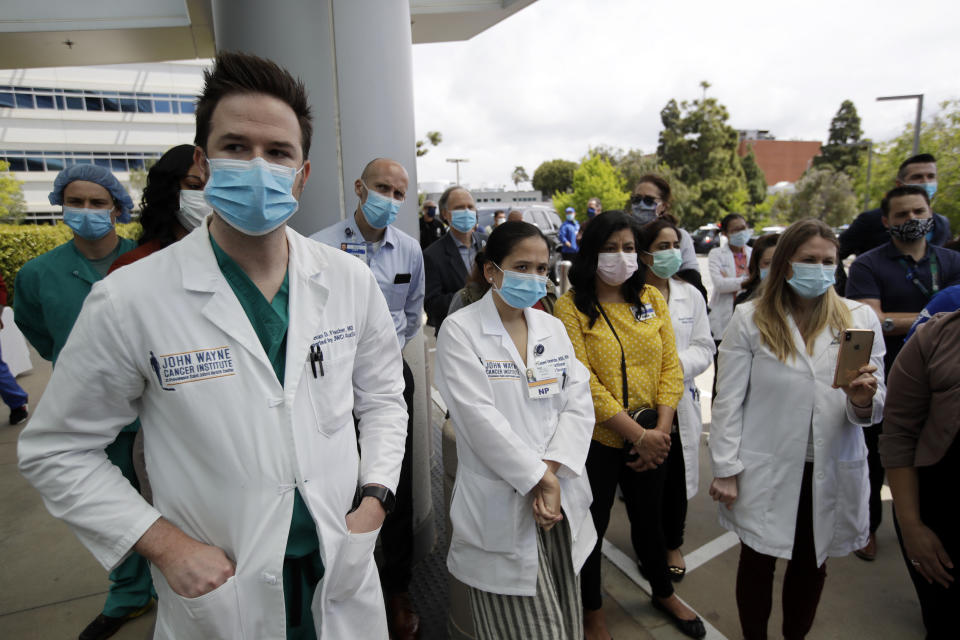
(654, 374)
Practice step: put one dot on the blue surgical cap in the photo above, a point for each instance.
(98, 175)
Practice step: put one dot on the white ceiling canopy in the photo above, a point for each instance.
(92, 15)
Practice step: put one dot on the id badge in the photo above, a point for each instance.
(358, 249)
(544, 382)
(643, 312)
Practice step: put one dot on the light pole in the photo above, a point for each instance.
(916, 127)
(457, 161)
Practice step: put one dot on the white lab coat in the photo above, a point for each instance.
(726, 286)
(762, 418)
(225, 443)
(503, 437)
(695, 347)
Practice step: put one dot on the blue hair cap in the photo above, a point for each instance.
(98, 175)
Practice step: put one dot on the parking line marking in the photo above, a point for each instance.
(711, 550)
(623, 562)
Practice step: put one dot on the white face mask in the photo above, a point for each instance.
(193, 209)
(616, 268)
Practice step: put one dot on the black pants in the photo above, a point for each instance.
(940, 511)
(642, 493)
(674, 495)
(396, 536)
(802, 583)
(871, 435)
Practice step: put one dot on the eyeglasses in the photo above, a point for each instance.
(646, 200)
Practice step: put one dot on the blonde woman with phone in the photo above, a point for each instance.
(789, 460)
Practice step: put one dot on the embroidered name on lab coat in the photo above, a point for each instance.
(194, 366)
(332, 336)
(502, 370)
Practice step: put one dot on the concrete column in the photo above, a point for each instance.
(355, 58)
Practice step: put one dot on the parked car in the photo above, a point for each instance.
(706, 238)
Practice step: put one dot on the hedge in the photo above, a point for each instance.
(22, 242)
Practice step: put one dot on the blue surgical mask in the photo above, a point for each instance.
(521, 290)
(252, 196)
(666, 262)
(812, 280)
(929, 187)
(379, 210)
(644, 213)
(740, 238)
(764, 272)
(571, 216)
(463, 220)
(591, 212)
(89, 224)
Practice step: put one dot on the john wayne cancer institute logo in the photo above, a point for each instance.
(174, 369)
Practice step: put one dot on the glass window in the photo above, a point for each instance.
(44, 102)
(24, 100)
(118, 164)
(93, 103)
(17, 164)
(102, 162)
(6, 99)
(186, 107)
(128, 105)
(161, 106)
(111, 103)
(135, 163)
(144, 105)
(75, 103)
(34, 163)
(54, 164)
(60, 102)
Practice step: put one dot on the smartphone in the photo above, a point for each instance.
(855, 348)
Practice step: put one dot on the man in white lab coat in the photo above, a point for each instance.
(245, 349)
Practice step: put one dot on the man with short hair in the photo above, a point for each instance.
(447, 263)
(898, 279)
(515, 215)
(48, 293)
(431, 227)
(397, 263)
(594, 208)
(568, 235)
(867, 230)
(268, 344)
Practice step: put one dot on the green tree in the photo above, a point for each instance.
(843, 149)
(13, 209)
(519, 175)
(594, 178)
(940, 136)
(433, 137)
(826, 194)
(699, 145)
(756, 180)
(554, 176)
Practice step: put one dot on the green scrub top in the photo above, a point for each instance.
(270, 322)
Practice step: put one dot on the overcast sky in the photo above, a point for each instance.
(563, 75)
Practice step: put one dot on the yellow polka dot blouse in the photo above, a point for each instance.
(654, 375)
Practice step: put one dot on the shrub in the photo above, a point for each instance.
(20, 243)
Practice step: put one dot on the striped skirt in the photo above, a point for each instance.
(555, 613)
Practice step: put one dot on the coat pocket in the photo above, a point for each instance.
(212, 616)
(331, 394)
(483, 512)
(352, 565)
(853, 496)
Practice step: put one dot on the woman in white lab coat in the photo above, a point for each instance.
(729, 269)
(789, 460)
(660, 246)
(520, 404)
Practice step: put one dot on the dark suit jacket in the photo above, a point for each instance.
(866, 232)
(445, 275)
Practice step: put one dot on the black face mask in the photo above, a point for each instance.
(911, 230)
(430, 212)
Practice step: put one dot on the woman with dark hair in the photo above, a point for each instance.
(789, 459)
(621, 330)
(760, 259)
(477, 285)
(660, 252)
(172, 204)
(519, 401)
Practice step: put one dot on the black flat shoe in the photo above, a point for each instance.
(676, 573)
(691, 628)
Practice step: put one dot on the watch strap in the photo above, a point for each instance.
(384, 495)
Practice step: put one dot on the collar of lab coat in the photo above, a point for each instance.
(309, 292)
(820, 346)
(537, 329)
(678, 292)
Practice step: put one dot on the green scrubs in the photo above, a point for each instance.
(302, 566)
(48, 294)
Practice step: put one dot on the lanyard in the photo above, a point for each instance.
(623, 359)
(934, 275)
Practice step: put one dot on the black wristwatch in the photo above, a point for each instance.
(384, 495)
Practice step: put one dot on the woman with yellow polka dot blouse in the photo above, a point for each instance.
(621, 330)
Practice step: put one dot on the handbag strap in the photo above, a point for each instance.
(623, 358)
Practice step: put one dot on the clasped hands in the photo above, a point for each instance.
(652, 447)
